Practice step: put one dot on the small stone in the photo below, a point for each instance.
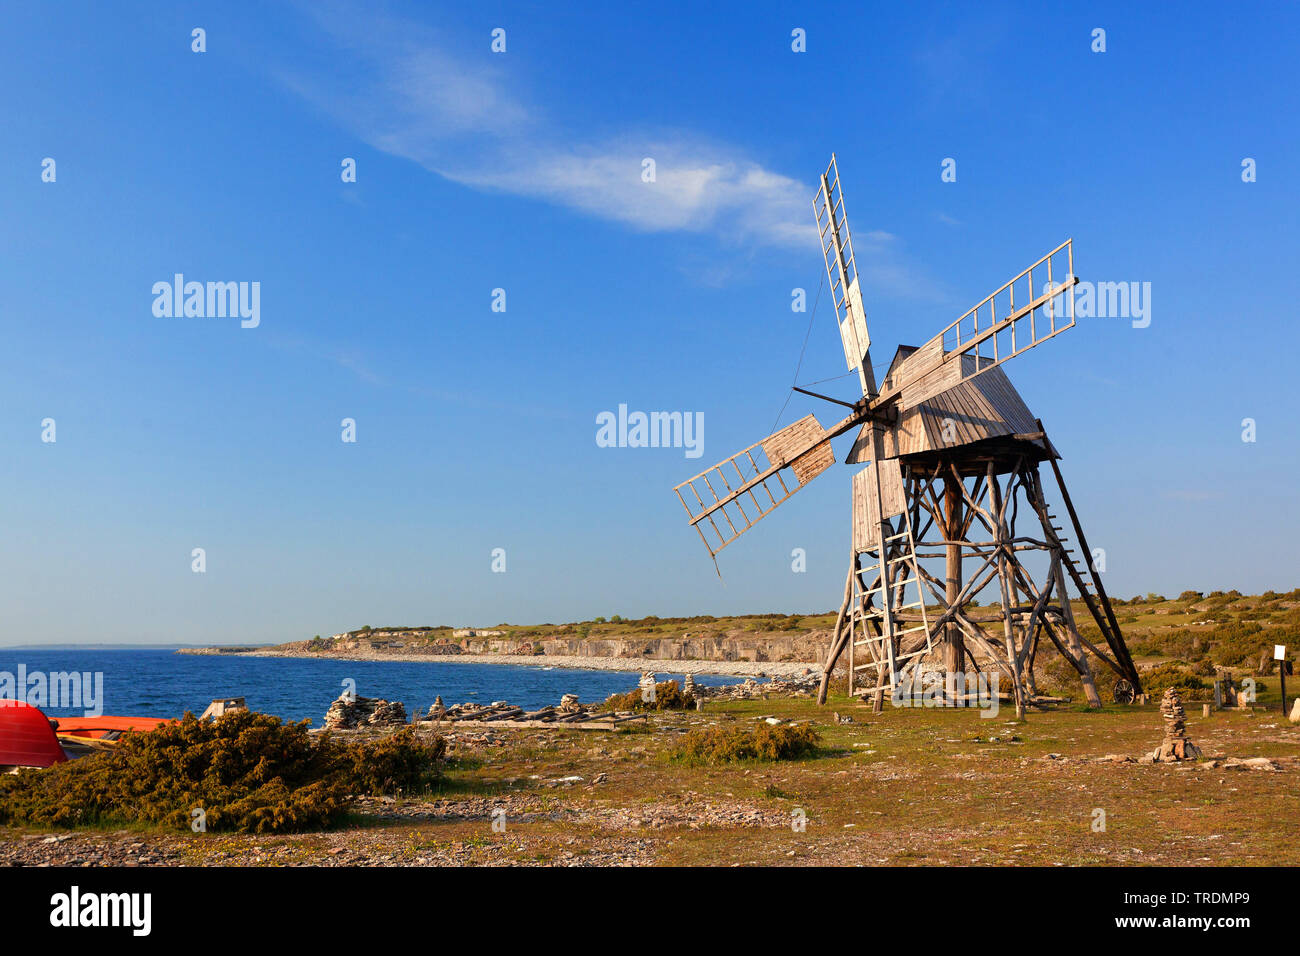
(1259, 763)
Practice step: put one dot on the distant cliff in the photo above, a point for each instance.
(733, 646)
(758, 638)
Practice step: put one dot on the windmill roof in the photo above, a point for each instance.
(986, 409)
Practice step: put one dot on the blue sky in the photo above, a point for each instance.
(521, 170)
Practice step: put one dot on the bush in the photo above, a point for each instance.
(249, 772)
(1159, 679)
(1172, 643)
(726, 744)
(1237, 644)
(668, 696)
(1058, 674)
(395, 763)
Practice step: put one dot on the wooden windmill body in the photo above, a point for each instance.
(952, 459)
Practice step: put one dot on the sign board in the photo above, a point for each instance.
(1279, 652)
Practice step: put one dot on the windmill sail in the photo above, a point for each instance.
(728, 499)
(981, 340)
(842, 275)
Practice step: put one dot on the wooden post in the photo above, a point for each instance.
(1004, 575)
(833, 652)
(954, 655)
(1080, 661)
(1282, 673)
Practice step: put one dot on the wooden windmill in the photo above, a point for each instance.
(952, 458)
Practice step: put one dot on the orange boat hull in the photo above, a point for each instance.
(99, 726)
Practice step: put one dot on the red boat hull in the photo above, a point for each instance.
(26, 737)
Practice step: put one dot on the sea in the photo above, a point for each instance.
(157, 682)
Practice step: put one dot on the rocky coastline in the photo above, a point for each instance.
(737, 668)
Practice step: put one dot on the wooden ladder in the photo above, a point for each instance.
(882, 631)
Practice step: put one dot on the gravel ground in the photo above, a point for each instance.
(407, 833)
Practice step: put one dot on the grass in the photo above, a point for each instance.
(928, 789)
(906, 787)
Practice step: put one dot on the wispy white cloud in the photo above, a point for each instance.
(422, 95)
(696, 187)
(404, 92)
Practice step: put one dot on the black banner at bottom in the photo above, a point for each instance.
(376, 906)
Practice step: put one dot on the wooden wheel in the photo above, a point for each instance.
(1124, 691)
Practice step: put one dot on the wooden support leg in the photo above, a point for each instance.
(1080, 659)
(1071, 646)
(954, 640)
(1004, 575)
(837, 639)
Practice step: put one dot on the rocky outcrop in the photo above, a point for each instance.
(804, 685)
(350, 712)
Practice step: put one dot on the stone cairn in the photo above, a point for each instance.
(1176, 745)
(804, 685)
(647, 685)
(569, 704)
(350, 712)
(438, 710)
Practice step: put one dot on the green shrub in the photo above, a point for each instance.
(668, 696)
(1159, 679)
(1058, 674)
(1171, 643)
(395, 763)
(1237, 644)
(248, 772)
(716, 745)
